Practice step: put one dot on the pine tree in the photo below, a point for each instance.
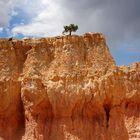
(71, 28)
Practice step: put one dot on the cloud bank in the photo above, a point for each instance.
(116, 19)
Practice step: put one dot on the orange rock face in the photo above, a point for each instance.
(67, 88)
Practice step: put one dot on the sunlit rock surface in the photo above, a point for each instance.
(67, 88)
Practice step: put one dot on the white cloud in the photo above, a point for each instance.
(14, 13)
(6, 11)
(1, 29)
(47, 20)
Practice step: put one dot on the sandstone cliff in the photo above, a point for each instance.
(67, 88)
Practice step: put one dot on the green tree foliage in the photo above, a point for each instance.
(71, 28)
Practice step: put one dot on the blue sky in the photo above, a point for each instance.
(126, 53)
(118, 20)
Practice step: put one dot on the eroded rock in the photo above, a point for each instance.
(67, 88)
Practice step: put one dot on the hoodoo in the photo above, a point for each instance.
(67, 88)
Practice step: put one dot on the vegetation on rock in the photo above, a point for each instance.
(71, 28)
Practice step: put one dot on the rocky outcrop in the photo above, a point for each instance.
(67, 88)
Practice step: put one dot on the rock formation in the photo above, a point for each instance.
(67, 88)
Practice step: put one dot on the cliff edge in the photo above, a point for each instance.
(67, 88)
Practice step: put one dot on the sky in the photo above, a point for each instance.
(118, 20)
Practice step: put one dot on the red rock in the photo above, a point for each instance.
(67, 88)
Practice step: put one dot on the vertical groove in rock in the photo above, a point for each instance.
(11, 108)
(107, 112)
